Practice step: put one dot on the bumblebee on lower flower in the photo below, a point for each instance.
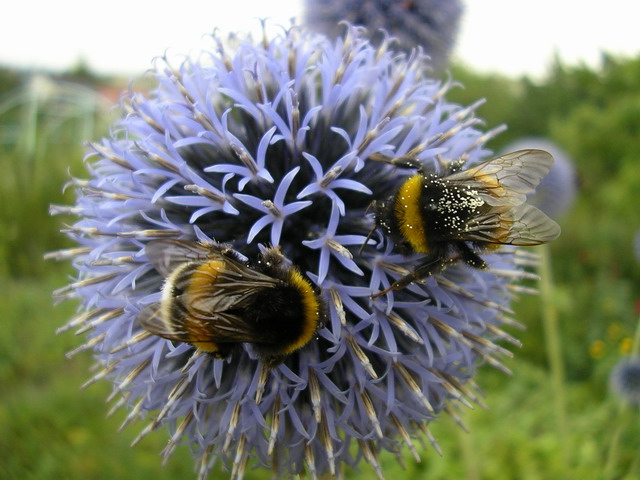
(456, 216)
(214, 300)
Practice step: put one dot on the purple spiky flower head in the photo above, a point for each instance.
(430, 24)
(558, 190)
(625, 380)
(268, 142)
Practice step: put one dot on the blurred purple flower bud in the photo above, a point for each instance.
(430, 24)
(625, 380)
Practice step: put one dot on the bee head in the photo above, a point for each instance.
(272, 262)
(272, 257)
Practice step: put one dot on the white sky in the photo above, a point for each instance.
(117, 36)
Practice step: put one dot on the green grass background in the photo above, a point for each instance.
(51, 429)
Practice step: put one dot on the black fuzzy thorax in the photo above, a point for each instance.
(446, 209)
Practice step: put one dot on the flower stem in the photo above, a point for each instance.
(635, 347)
(613, 455)
(468, 454)
(554, 349)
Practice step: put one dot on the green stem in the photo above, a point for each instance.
(554, 349)
(635, 347)
(469, 455)
(613, 453)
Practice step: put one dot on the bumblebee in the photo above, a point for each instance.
(453, 217)
(215, 300)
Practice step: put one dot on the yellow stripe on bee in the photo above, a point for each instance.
(310, 307)
(202, 280)
(408, 214)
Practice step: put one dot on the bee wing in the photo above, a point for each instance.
(216, 308)
(211, 328)
(223, 327)
(508, 179)
(166, 254)
(523, 225)
(232, 289)
(150, 318)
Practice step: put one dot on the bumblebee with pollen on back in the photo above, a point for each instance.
(214, 300)
(453, 217)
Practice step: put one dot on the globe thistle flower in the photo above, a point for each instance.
(430, 24)
(263, 143)
(557, 191)
(625, 380)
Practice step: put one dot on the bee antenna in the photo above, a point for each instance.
(371, 206)
(456, 166)
(366, 240)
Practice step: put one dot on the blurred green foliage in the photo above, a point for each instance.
(45, 121)
(52, 430)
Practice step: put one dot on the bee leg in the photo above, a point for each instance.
(471, 258)
(225, 250)
(223, 350)
(429, 267)
(272, 361)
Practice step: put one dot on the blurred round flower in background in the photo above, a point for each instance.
(625, 380)
(268, 142)
(557, 191)
(430, 24)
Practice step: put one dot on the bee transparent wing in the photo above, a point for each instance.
(224, 327)
(150, 318)
(224, 297)
(523, 225)
(508, 179)
(212, 295)
(166, 254)
(200, 328)
(218, 308)
(231, 286)
(238, 272)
